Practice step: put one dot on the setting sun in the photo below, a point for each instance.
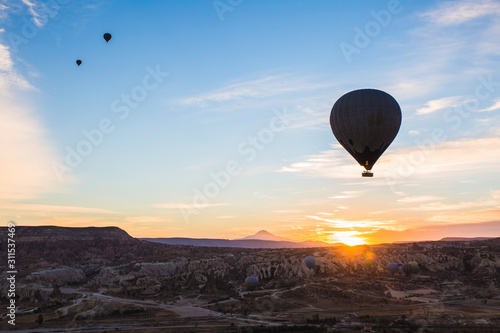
(347, 237)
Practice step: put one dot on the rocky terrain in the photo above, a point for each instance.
(101, 278)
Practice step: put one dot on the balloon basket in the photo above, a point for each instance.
(367, 174)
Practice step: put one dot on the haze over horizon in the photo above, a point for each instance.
(210, 121)
(268, 236)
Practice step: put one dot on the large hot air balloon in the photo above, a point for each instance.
(407, 269)
(78, 62)
(414, 265)
(251, 282)
(392, 267)
(107, 37)
(310, 262)
(365, 122)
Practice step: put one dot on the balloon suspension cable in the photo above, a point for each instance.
(367, 173)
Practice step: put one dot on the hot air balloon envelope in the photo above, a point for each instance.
(392, 267)
(78, 62)
(365, 122)
(251, 282)
(414, 265)
(407, 269)
(310, 262)
(107, 37)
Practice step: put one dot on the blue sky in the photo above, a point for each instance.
(243, 90)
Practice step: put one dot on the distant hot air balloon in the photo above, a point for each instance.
(365, 122)
(78, 62)
(368, 261)
(107, 37)
(251, 282)
(392, 267)
(400, 268)
(414, 265)
(407, 269)
(310, 262)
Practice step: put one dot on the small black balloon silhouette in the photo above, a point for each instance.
(107, 37)
(78, 62)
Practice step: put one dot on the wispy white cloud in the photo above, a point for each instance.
(421, 198)
(147, 219)
(346, 224)
(36, 10)
(445, 159)
(6, 63)
(56, 208)
(27, 154)
(267, 86)
(472, 216)
(306, 100)
(333, 163)
(287, 211)
(251, 88)
(8, 76)
(492, 201)
(494, 107)
(446, 28)
(440, 206)
(440, 104)
(39, 11)
(458, 12)
(261, 195)
(25, 171)
(3, 14)
(74, 221)
(180, 205)
(437, 45)
(309, 117)
(436, 231)
(346, 195)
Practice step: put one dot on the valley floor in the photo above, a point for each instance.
(323, 306)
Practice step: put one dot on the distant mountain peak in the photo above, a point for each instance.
(266, 235)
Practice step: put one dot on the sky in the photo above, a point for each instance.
(210, 119)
